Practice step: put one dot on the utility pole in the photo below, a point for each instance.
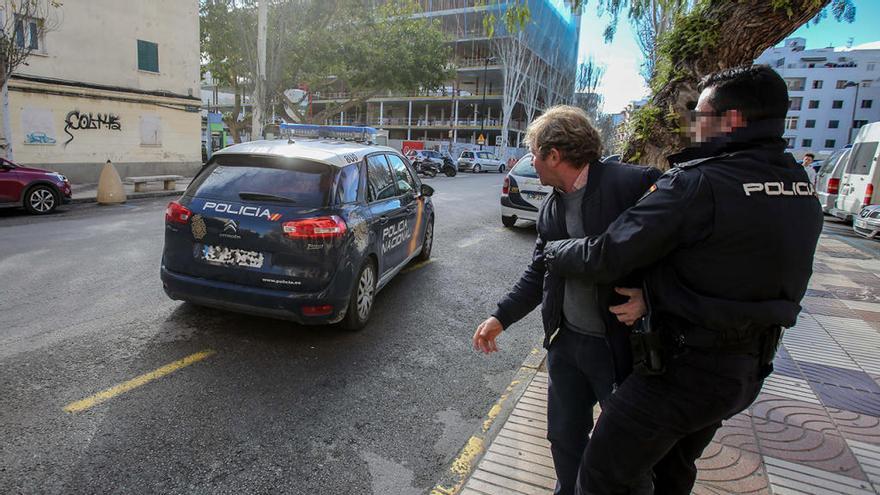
(260, 86)
(7, 124)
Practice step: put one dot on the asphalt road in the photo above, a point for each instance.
(277, 408)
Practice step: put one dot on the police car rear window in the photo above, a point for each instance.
(525, 168)
(306, 183)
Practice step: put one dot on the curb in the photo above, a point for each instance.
(470, 455)
(146, 195)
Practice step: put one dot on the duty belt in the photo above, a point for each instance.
(751, 340)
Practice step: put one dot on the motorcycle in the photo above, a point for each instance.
(449, 167)
(427, 168)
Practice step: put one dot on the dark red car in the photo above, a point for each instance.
(38, 191)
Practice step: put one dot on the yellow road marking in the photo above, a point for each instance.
(417, 266)
(104, 395)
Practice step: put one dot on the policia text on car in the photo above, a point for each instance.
(727, 263)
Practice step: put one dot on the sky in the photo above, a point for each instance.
(623, 83)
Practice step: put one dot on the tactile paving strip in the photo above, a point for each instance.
(809, 342)
(788, 477)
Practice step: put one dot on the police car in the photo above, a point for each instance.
(308, 228)
(522, 193)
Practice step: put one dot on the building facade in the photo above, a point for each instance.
(832, 91)
(113, 81)
(470, 105)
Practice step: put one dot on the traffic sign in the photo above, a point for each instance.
(481, 140)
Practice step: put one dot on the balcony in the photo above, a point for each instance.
(443, 93)
(429, 123)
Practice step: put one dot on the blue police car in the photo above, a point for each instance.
(308, 228)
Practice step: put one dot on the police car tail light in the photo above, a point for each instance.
(869, 193)
(322, 310)
(319, 227)
(505, 189)
(175, 213)
(833, 186)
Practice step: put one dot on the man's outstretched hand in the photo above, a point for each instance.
(629, 312)
(484, 337)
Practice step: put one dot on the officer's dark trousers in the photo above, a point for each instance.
(664, 422)
(581, 374)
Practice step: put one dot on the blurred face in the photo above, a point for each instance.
(705, 123)
(808, 160)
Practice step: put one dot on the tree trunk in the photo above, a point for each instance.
(232, 122)
(743, 30)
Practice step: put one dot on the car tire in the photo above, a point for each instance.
(363, 294)
(427, 242)
(508, 222)
(40, 200)
(477, 169)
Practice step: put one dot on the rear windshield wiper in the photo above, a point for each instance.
(255, 196)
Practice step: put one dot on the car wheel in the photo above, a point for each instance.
(363, 293)
(428, 242)
(40, 200)
(508, 221)
(501, 169)
(477, 169)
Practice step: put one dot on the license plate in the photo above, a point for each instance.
(229, 256)
(535, 195)
(860, 223)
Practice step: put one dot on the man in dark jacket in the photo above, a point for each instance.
(727, 238)
(588, 351)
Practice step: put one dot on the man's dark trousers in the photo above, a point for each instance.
(664, 422)
(581, 374)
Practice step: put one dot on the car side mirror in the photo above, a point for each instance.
(427, 190)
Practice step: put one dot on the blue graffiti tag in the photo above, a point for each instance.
(38, 138)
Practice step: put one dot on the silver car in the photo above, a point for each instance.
(522, 193)
(828, 178)
(867, 224)
(480, 161)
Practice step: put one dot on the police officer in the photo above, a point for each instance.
(727, 237)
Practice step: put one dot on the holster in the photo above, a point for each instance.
(647, 344)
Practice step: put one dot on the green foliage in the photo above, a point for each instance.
(516, 16)
(692, 35)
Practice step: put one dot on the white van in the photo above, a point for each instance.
(859, 186)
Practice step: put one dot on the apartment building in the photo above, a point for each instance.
(113, 81)
(833, 92)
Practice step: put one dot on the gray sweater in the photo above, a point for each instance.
(580, 309)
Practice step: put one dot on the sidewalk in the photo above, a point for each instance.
(815, 428)
(88, 193)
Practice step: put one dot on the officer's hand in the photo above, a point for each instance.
(484, 337)
(629, 312)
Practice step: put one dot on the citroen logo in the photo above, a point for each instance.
(230, 227)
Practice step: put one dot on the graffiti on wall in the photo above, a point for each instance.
(90, 121)
(38, 138)
(38, 126)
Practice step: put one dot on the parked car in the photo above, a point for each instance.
(828, 178)
(522, 193)
(859, 183)
(307, 230)
(36, 190)
(867, 224)
(480, 161)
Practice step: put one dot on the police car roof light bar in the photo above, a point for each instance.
(343, 132)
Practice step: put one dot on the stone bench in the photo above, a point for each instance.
(141, 182)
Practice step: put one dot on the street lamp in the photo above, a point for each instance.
(483, 104)
(852, 122)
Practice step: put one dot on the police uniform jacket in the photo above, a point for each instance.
(611, 188)
(727, 238)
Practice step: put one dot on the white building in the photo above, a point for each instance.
(833, 92)
(115, 81)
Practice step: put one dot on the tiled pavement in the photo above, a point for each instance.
(815, 428)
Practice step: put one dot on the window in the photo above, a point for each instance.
(859, 123)
(814, 104)
(380, 182)
(837, 104)
(405, 182)
(806, 143)
(866, 84)
(348, 184)
(791, 122)
(789, 142)
(870, 67)
(27, 33)
(841, 84)
(148, 56)
(795, 103)
(867, 103)
(795, 84)
(833, 124)
(861, 158)
(817, 84)
(810, 124)
(780, 62)
(829, 143)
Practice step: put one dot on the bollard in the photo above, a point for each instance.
(110, 189)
